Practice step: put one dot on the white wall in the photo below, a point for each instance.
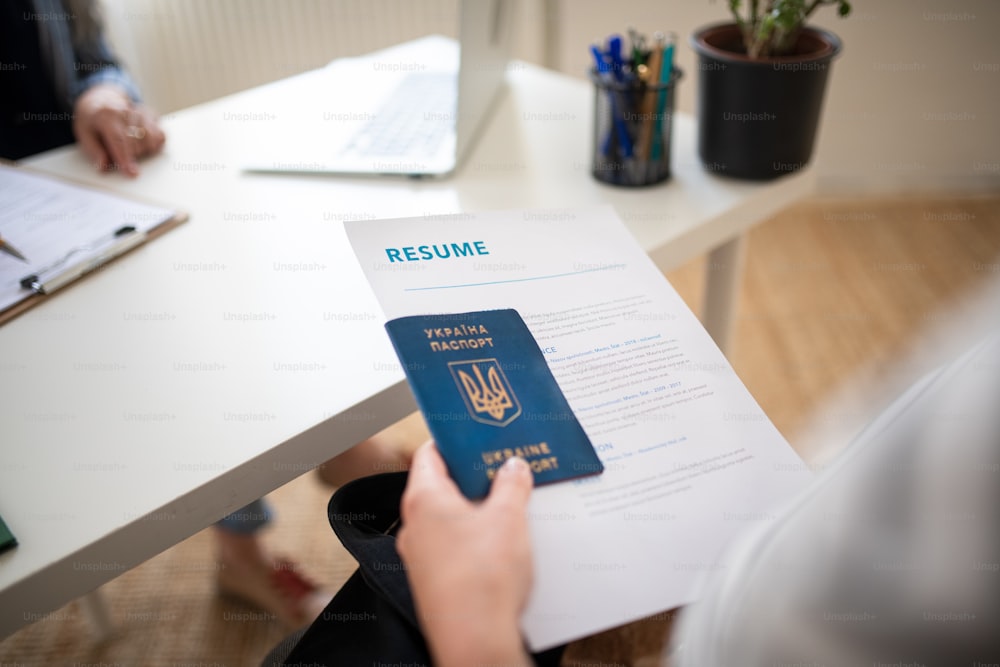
(913, 101)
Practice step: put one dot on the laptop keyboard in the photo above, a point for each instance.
(414, 121)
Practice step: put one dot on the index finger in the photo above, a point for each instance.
(93, 148)
(119, 147)
(427, 467)
(428, 481)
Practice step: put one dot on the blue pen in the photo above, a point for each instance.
(600, 62)
(618, 71)
(603, 68)
(615, 54)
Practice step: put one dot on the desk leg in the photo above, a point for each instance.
(722, 288)
(96, 611)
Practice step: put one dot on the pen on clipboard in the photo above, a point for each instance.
(11, 250)
(62, 273)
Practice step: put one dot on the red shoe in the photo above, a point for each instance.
(280, 591)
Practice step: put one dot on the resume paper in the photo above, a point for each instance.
(690, 460)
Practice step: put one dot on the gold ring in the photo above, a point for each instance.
(135, 132)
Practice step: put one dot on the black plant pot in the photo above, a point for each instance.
(758, 118)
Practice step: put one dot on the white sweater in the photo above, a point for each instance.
(892, 557)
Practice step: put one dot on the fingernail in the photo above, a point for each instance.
(514, 466)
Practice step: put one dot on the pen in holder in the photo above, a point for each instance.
(632, 127)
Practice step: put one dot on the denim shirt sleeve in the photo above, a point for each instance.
(95, 64)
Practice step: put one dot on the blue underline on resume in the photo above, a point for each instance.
(516, 280)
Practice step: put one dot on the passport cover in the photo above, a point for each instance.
(487, 394)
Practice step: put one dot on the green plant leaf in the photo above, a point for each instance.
(776, 29)
(789, 14)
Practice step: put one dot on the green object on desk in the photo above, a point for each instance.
(7, 539)
(666, 71)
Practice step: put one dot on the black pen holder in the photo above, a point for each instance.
(632, 128)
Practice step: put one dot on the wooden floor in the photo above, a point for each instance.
(834, 290)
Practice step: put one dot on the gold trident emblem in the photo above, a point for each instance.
(490, 395)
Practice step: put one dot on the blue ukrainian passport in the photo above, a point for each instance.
(487, 394)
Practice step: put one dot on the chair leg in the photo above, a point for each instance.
(95, 609)
(724, 276)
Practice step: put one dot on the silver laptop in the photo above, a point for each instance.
(412, 110)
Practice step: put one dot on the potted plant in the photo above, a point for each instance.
(761, 84)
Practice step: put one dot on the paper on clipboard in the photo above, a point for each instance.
(63, 229)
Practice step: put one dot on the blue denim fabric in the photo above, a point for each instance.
(247, 520)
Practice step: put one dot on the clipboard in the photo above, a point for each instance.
(65, 230)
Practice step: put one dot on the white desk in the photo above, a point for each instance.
(243, 348)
